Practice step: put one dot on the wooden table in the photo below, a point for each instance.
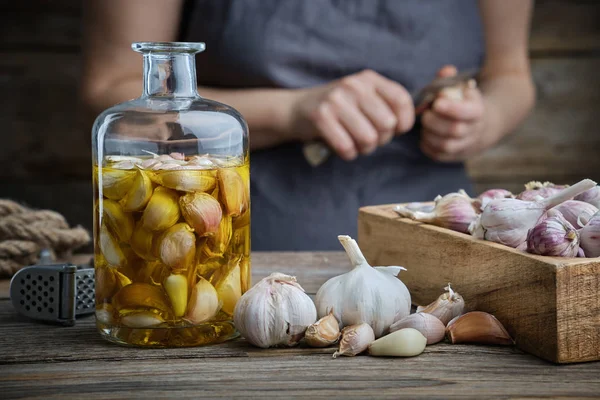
(45, 361)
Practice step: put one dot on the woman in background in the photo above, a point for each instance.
(336, 70)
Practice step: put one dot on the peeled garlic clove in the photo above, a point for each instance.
(554, 236)
(162, 211)
(186, 180)
(202, 211)
(142, 242)
(104, 314)
(574, 210)
(274, 312)
(324, 332)
(117, 220)
(177, 247)
(447, 306)
(406, 342)
(141, 295)
(139, 194)
(355, 340)
(229, 288)
(478, 327)
(454, 211)
(142, 319)
(233, 192)
(109, 246)
(430, 326)
(176, 287)
(116, 182)
(204, 302)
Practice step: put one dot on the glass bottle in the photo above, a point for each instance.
(171, 209)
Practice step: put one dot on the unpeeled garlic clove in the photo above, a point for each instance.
(109, 246)
(116, 182)
(142, 319)
(406, 342)
(176, 287)
(355, 340)
(233, 192)
(162, 211)
(324, 332)
(142, 242)
(117, 220)
(139, 194)
(447, 306)
(204, 302)
(202, 211)
(186, 180)
(106, 283)
(141, 295)
(153, 272)
(217, 244)
(177, 247)
(478, 327)
(229, 287)
(430, 326)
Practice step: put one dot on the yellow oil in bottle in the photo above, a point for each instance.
(172, 248)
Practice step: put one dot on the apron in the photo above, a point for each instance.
(302, 43)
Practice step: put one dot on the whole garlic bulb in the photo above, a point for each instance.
(274, 312)
(590, 237)
(365, 294)
(591, 196)
(554, 236)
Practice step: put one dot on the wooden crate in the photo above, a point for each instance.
(550, 305)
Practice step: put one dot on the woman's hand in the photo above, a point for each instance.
(453, 130)
(353, 115)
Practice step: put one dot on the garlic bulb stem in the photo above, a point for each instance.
(568, 193)
(355, 255)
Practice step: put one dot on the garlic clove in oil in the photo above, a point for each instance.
(229, 287)
(406, 342)
(176, 287)
(142, 319)
(141, 296)
(447, 306)
(554, 236)
(204, 302)
(355, 340)
(274, 312)
(116, 182)
(202, 211)
(110, 248)
(478, 327)
(117, 220)
(186, 180)
(430, 326)
(142, 242)
(217, 245)
(139, 194)
(454, 211)
(232, 191)
(177, 247)
(162, 211)
(324, 332)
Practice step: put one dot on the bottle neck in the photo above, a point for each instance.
(169, 75)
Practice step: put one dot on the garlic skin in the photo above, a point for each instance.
(576, 211)
(478, 327)
(591, 196)
(535, 190)
(430, 326)
(492, 194)
(454, 211)
(365, 294)
(355, 340)
(274, 312)
(507, 221)
(554, 236)
(449, 305)
(590, 237)
(407, 342)
(324, 332)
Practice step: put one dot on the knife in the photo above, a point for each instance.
(317, 152)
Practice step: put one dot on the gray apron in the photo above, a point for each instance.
(301, 43)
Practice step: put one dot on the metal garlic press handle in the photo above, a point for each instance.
(317, 152)
(54, 292)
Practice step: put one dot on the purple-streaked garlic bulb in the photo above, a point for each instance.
(454, 211)
(507, 221)
(492, 194)
(590, 237)
(555, 236)
(535, 190)
(591, 196)
(576, 212)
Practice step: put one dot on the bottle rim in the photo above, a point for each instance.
(168, 47)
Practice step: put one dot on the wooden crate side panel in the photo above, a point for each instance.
(578, 314)
(518, 289)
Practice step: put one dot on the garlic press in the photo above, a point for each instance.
(55, 293)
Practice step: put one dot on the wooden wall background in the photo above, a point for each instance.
(45, 153)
